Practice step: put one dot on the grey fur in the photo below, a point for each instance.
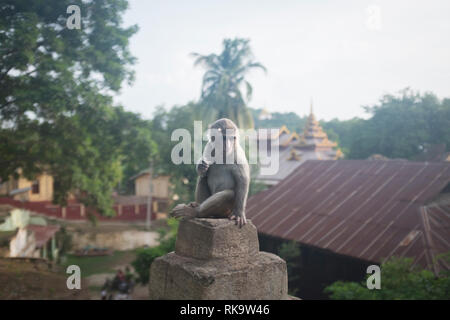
(222, 189)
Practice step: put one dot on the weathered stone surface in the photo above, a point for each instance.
(177, 277)
(216, 238)
(214, 259)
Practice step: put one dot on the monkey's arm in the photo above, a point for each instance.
(202, 168)
(241, 175)
(202, 191)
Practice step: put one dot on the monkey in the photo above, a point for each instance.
(223, 183)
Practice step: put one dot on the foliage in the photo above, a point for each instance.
(404, 126)
(344, 133)
(278, 119)
(399, 281)
(255, 186)
(183, 177)
(146, 256)
(290, 252)
(401, 126)
(56, 112)
(137, 147)
(224, 80)
(64, 241)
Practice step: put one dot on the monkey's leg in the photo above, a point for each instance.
(219, 205)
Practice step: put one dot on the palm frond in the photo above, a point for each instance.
(249, 90)
(222, 83)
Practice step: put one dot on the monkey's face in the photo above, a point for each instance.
(227, 132)
(218, 141)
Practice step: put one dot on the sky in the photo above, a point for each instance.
(342, 55)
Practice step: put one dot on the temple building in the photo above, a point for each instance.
(294, 149)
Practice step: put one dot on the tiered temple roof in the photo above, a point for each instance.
(313, 135)
(294, 149)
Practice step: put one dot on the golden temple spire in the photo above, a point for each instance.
(311, 107)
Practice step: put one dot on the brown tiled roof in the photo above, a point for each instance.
(42, 234)
(370, 210)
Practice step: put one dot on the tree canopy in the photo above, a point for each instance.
(404, 125)
(56, 110)
(291, 120)
(184, 176)
(401, 126)
(224, 81)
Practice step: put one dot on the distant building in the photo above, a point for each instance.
(264, 115)
(37, 196)
(349, 214)
(160, 184)
(24, 235)
(40, 189)
(294, 149)
(160, 191)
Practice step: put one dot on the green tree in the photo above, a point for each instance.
(183, 177)
(399, 281)
(401, 126)
(290, 252)
(224, 80)
(344, 132)
(138, 147)
(278, 119)
(56, 112)
(146, 256)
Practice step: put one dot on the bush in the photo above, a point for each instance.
(145, 256)
(399, 281)
(290, 252)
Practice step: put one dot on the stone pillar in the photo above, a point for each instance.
(214, 259)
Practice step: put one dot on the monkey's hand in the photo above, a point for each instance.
(202, 168)
(239, 218)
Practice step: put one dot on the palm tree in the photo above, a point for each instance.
(224, 79)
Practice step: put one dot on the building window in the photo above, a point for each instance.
(162, 206)
(35, 187)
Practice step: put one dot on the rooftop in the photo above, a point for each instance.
(370, 210)
(294, 148)
(42, 234)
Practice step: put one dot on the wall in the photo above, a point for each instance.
(116, 240)
(23, 244)
(74, 211)
(7, 186)
(45, 188)
(318, 267)
(160, 186)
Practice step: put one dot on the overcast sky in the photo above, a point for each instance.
(342, 54)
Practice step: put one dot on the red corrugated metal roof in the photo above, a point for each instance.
(42, 234)
(370, 210)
